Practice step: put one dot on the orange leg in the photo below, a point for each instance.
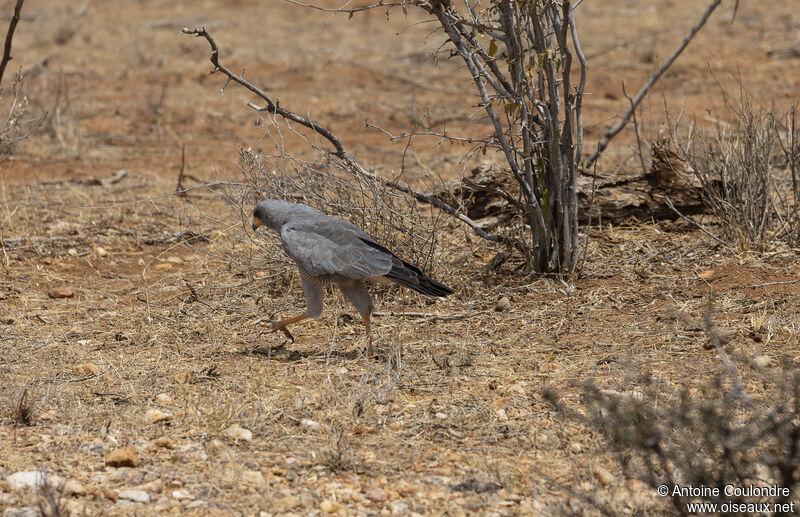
(369, 333)
(282, 324)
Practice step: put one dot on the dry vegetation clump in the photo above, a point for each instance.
(748, 172)
(739, 426)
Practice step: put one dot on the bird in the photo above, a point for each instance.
(328, 250)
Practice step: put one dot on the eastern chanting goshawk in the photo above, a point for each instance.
(329, 250)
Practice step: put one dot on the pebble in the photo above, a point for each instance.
(762, 361)
(163, 399)
(28, 478)
(163, 441)
(139, 496)
(311, 424)
(123, 457)
(377, 495)
(94, 447)
(86, 369)
(62, 292)
(153, 416)
(239, 433)
(181, 494)
(603, 476)
(503, 304)
(154, 487)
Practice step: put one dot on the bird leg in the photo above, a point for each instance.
(281, 325)
(369, 333)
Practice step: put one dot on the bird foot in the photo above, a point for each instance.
(275, 326)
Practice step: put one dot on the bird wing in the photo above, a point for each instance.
(324, 245)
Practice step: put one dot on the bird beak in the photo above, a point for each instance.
(256, 223)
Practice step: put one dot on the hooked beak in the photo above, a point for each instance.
(256, 223)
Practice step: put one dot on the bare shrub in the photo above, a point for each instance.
(788, 192)
(529, 71)
(743, 168)
(712, 434)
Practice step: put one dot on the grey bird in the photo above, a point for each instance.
(330, 250)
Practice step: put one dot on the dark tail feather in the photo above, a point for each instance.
(410, 276)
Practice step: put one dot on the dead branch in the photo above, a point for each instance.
(12, 25)
(353, 10)
(614, 131)
(274, 108)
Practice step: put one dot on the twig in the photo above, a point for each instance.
(179, 187)
(9, 35)
(785, 282)
(611, 133)
(354, 10)
(695, 223)
(636, 130)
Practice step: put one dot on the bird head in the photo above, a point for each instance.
(270, 213)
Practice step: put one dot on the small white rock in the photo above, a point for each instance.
(603, 476)
(139, 496)
(311, 424)
(156, 415)
(181, 494)
(441, 416)
(239, 433)
(28, 478)
(163, 399)
(762, 361)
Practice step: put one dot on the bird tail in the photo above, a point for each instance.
(410, 276)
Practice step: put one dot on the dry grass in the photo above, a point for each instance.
(454, 416)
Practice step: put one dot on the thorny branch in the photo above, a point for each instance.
(340, 152)
(9, 35)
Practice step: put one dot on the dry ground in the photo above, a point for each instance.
(452, 421)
